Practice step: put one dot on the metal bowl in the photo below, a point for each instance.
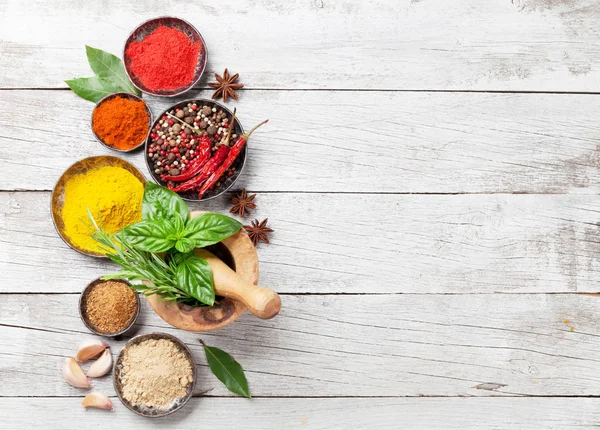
(147, 27)
(78, 168)
(131, 97)
(151, 412)
(239, 162)
(85, 318)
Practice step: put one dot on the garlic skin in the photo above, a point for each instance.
(97, 400)
(90, 348)
(101, 366)
(73, 374)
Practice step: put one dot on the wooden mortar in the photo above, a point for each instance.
(233, 286)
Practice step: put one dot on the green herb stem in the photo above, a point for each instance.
(160, 277)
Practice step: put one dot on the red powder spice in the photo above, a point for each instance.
(165, 60)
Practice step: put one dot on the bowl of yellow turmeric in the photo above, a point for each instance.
(109, 188)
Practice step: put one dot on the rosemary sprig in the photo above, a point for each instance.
(140, 266)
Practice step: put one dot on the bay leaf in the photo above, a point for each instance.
(93, 89)
(227, 370)
(108, 66)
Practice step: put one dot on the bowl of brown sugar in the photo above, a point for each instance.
(109, 307)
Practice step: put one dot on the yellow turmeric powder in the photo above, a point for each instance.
(113, 195)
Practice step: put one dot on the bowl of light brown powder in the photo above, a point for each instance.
(109, 308)
(154, 374)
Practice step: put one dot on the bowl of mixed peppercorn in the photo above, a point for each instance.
(196, 148)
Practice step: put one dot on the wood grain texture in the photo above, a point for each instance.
(327, 243)
(415, 142)
(365, 345)
(351, 174)
(276, 414)
(436, 44)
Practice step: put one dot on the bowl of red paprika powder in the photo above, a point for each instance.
(121, 121)
(165, 56)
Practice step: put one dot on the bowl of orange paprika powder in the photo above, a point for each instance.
(121, 121)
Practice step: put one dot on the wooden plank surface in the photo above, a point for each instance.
(402, 136)
(346, 345)
(436, 44)
(275, 414)
(339, 243)
(321, 142)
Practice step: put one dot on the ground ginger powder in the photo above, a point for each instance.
(113, 195)
(155, 373)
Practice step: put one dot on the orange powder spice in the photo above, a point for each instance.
(110, 306)
(121, 122)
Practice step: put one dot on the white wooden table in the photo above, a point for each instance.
(431, 169)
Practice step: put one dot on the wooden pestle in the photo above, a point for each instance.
(261, 301)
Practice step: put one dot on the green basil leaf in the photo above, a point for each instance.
(108, 66)
(161, 202)
(229, 371)
(194, 277)
(178, 224)
(177, 257)
(210, 228)
(151, 235)
(184, 245)
(93, 89)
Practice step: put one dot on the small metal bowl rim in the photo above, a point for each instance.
(152, 174)
(127, 95)
(52, 200)
(84, 317)
(186, 88)
(180, 344)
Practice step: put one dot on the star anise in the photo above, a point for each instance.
(242, 203)
(226, 86)
(258, 231)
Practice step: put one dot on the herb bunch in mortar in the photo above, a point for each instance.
(160, 248)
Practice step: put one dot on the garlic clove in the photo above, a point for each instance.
(97, 400)
(73, 374)
(90, 348)
(101, 366)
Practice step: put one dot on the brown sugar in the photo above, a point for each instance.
(110, 306)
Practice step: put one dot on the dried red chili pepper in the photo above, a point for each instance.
(206, 172)
(233, 153)
(211, 165)
(196, 165)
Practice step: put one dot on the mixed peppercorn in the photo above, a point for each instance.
(175, 145)
(189, 148)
